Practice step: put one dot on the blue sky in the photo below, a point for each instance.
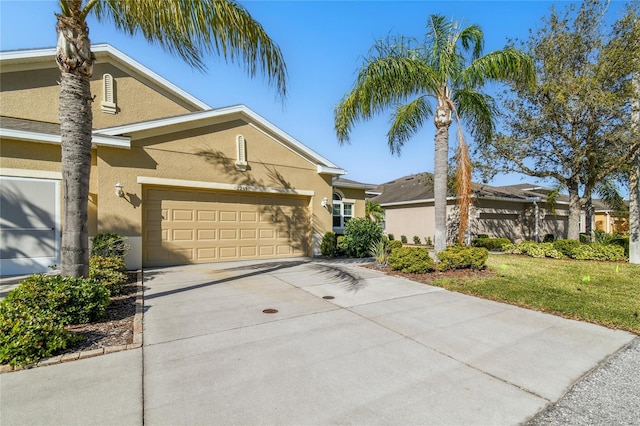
(323, 43)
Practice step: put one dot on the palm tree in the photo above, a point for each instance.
(447, 67)
(187, 28)
(373, 211)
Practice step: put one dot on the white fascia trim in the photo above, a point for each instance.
(144, 180)
(322, 163)
(28, 173)
(402, 203)
(331, 171)
(138, 67)
(96, 139)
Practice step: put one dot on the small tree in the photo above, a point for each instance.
(359, 235)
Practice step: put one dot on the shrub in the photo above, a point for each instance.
(609, 252)
(622, 241)
(411, 260)
(28, 333)
(70, 300)
(416, 240)
(391, 237)
(109, 245)
(394, 244)
(427, 241)
(494, 244)
(110, 271)
(379, 250)
(341, 246)
(548, 238)
(403, 238)
(483, 236)
(566, 247)
(359, 234)
(329, 244)
(461, 257)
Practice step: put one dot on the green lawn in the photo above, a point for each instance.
(600, 292)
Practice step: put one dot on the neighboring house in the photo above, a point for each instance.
(517, 212)
(183, 182)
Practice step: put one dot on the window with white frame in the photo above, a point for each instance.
(342, 211)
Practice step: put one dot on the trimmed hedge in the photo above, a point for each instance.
(461, 257)
(394, 244)
(569, 248)
(492, 244)
(411, 260)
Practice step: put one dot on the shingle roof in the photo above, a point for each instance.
(30, 125)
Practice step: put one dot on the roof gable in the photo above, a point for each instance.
(34, 59)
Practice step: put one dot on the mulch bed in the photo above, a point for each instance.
(115, 328)
(429, 277)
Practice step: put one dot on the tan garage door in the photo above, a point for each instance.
(195, 226)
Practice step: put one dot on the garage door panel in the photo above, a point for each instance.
(182, 215)
(183, 226)
(207, 216)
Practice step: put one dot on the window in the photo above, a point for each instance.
(108, 104)
(342, 211)
(241, 153)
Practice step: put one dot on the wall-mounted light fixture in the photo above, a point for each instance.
(119, 191)
(325, 200)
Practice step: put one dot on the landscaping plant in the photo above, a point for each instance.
(359, 234)
(462, 257)
(329, 245)
(411, 260)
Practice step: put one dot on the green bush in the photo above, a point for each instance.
(416, 240)
(533, 249)
(411, 260)
(403, 238)
(359, 234)
(391, 237)
(110, 271)
(461, 257)
(70, 300)
(566, 247)
(622, 241)
(548, 238)
(28, 333)
(492, 244)
(427, 241)
(609, 252)
(329, 245)
(483, 236)
(109, 245)
(341, 247)
(394, 244)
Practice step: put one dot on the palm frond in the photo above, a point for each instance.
(190, 29)
(610, 195)
(381, 82)
(406, 120)
(508, 65)
(477, 110)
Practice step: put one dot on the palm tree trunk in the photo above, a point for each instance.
(75, 131)
(440, 171)
(75, 61)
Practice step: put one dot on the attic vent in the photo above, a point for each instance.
(108, 104)
(241, 149)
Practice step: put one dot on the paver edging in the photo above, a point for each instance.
(73, 356)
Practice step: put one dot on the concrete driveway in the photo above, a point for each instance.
(383, 350)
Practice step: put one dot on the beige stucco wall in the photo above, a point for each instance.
(34, 94)
(416, 220)
(207, 154)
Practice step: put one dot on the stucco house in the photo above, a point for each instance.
(517, 212)
(184, 182)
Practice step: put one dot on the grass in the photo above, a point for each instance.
(604, 293)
